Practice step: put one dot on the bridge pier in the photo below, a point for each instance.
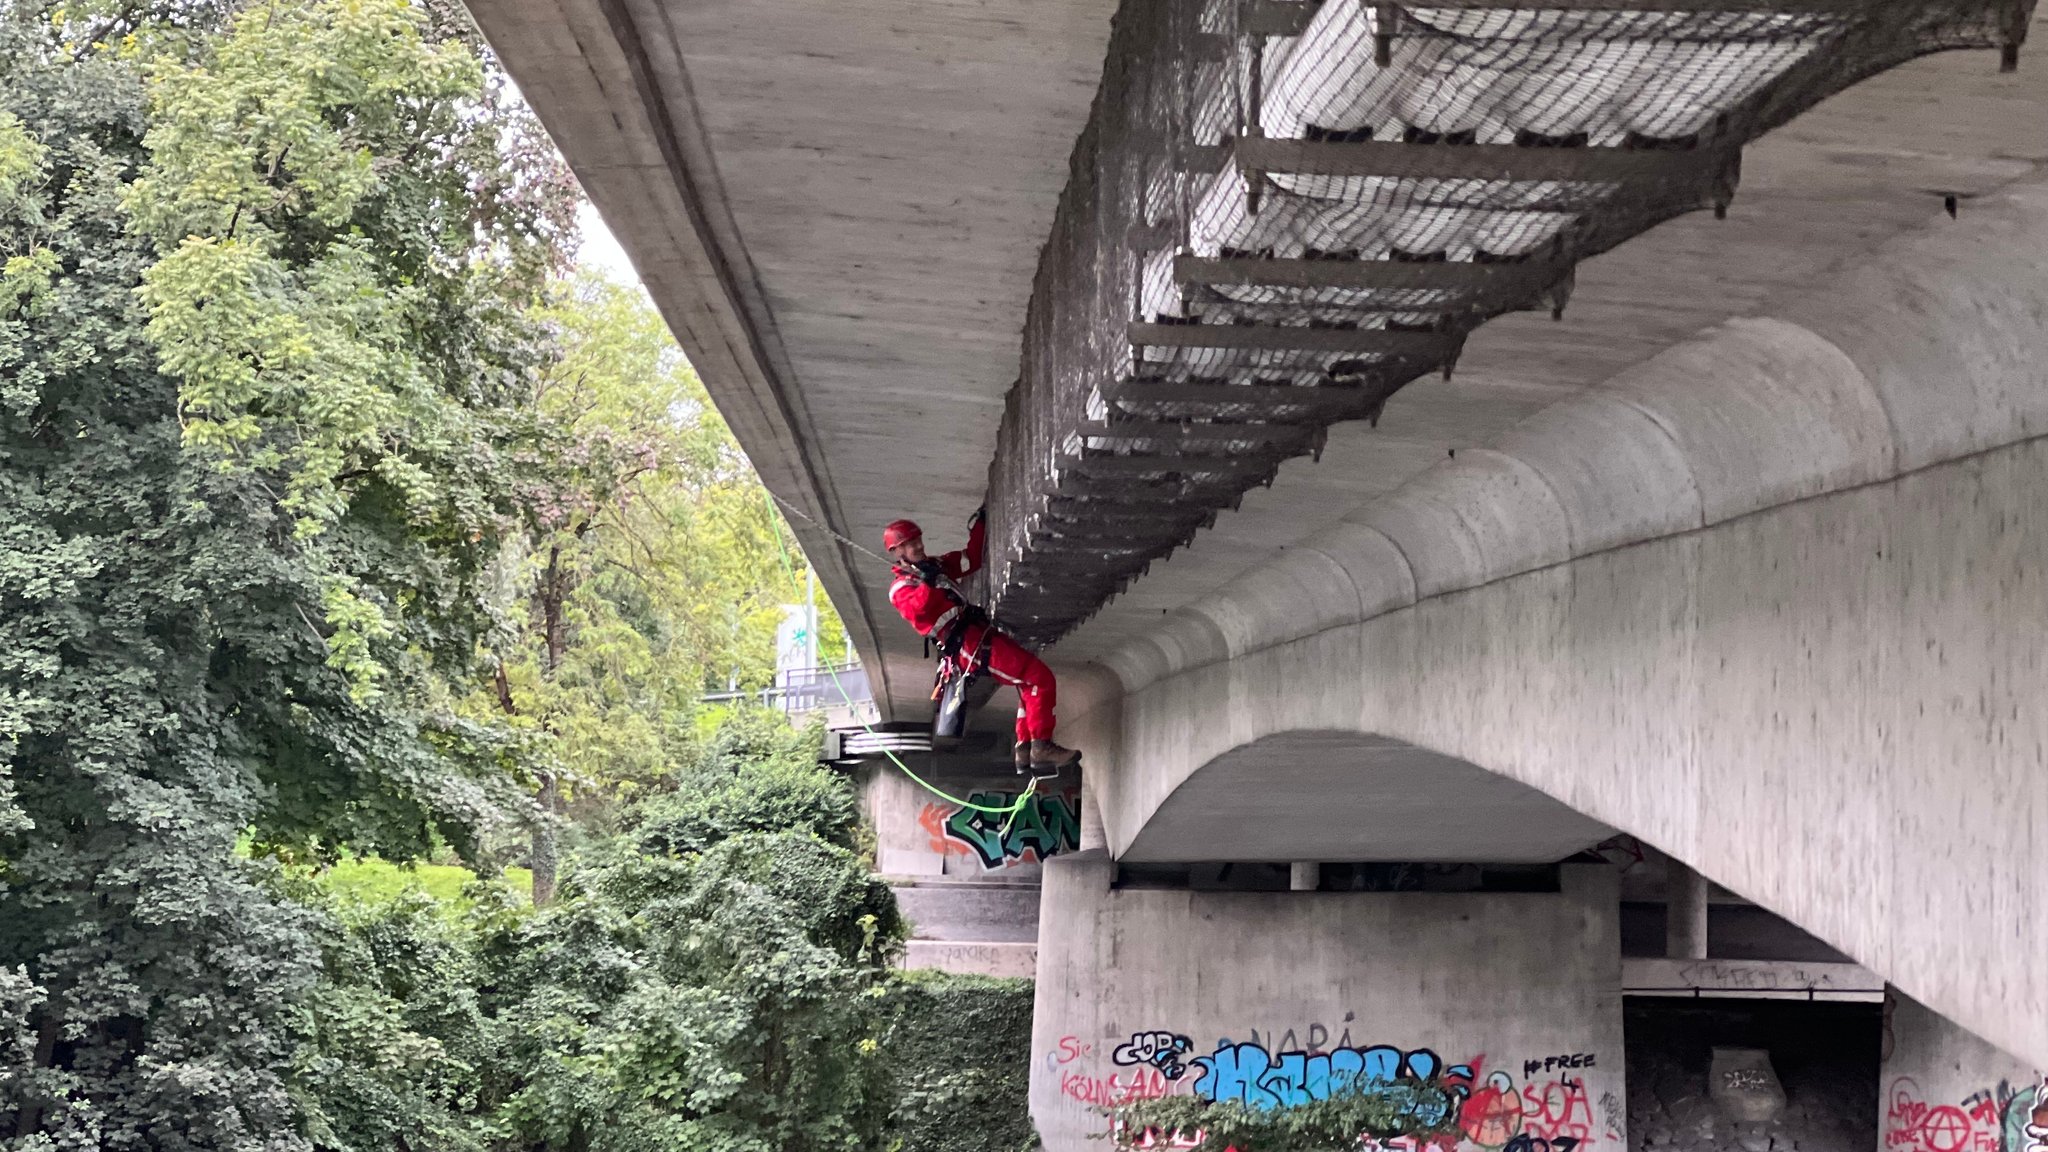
(1510, 999)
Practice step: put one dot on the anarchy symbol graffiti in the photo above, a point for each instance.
(1946, 1129)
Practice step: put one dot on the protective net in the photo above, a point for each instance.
(1280, 213)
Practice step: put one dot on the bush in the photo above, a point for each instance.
(957, 1054)
(750, 779)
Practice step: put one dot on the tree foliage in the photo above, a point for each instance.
(337, 521)
(183, 663)
(718, 997)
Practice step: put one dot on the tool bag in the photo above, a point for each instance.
(949, 720)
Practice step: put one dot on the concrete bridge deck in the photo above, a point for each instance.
(1743, 556)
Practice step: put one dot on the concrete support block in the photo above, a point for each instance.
(1617, 473)
(1441, 551)
(1742, 1083)
(1304, 876)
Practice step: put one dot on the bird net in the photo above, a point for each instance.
(1279, 213)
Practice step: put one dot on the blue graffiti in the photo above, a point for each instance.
(1426, 1094)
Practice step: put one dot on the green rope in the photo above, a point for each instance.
(1010, 811)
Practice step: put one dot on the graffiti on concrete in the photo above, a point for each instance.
(1557, 1111)
(1149, 1056)
(1164, 1051)
(1426, 1092)
(2001, 1119)
(1044, 828)
(1558, 1063)
(1491, 1116)
(1443, 1107)
(1115, 1090)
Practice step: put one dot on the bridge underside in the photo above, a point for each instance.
(1595, 560)
(1343, 796)
(841, 208)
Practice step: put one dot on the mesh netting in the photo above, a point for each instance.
(1280, 213)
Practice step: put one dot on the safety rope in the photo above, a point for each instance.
(789, 570)
(825, 528)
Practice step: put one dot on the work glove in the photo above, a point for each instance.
(930, 570)
(980, 514)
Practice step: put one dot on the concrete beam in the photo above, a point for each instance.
(1748, 979)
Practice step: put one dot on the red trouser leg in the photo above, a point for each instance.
(1010, 663)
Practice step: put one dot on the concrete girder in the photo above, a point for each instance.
(1808, 660)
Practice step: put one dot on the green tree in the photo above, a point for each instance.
(654, 563)
(232, 594)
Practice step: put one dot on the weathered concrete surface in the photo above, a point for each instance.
(984, 913)
(921, 835)
(1310, 796)
(1748, 979)
(1498, 980)
(973, 958)
(1948, 1091)
(1775, 601)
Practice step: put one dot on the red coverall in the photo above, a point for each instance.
(932, 612)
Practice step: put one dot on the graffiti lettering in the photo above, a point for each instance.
(1611, 1114)
(1161, 1050)
(1042, 829)
(1557, 1063)
(1427, 1094)
(1558, 1110)
(1154, 1138)
(1438, 1106)
(1999, 1119)
(1117, 1090)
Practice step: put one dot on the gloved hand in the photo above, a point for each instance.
(930, 570)
(980, 514)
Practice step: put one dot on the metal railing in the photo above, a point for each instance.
(801, 691)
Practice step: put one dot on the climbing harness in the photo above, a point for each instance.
(1009, 811)
(954, 674)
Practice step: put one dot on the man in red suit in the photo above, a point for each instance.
(926, 592)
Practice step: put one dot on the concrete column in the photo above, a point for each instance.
(1685, 912)
(1093, 834)
(1304, 876)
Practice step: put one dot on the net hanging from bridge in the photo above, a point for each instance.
(1280, 213)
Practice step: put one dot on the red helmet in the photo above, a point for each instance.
(901, 532)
